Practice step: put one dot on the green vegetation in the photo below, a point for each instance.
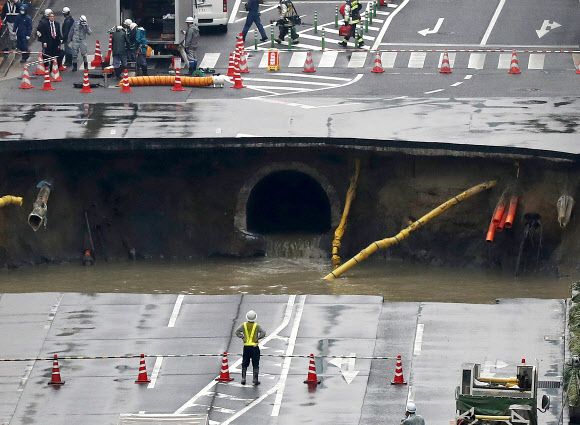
(572, 367)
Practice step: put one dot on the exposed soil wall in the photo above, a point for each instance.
(186, 204)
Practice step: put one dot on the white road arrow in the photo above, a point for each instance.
(434, 30)
(546, 27)
(346, 367)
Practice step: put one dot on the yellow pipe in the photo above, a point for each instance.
(512, 380)
(385, 243)
(493, 418)
(9, 199)
(339, 232)
(168, 80)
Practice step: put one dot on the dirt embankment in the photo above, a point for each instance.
(185, 203)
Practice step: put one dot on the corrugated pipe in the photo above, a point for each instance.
(168, 80)
(10, 200)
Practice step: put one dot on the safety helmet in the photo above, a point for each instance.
(189, 20)
(127, 22)
(251, 316)
(65, 10)
(24, 7)
(120, 28)
(83, 19)
(133, 25)
(47, 12)
(411, 408)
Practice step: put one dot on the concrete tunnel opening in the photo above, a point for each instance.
(288, 202)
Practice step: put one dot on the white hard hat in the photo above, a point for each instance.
(65, 10)
(411, 408)
(133, 25)
(119, 28)
(251, 316)
(47, 12)
(83, 18)
(127, 22)
(189, 19)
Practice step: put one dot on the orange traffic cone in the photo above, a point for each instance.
(26, 80)
(378, 63)
(142, 378)
(55, 76)
(55, 373)
(62, 67)
(238, 80)
(39, 66)
(312, 378)
(231, 66)
(445, 66)
(398, 373)
(86, 84)
(225, 372)
(244, 63)
(177, 84)
(98, 60)
(126, 87)
(308, 65)
(514, 66)
(578, 70)
(107, 60)
(47, 85)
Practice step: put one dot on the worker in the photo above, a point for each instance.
(141, 45)
(352, 17)
(51, 39)
(189, 52)
(287, 22)
(253, 9)
(66, 27)
(120, 47)
(411, 417)
(251, 333)
(9, 13)
(42, 24)
(77, 37)
(23, 30)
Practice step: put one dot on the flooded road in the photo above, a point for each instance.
(395, 281)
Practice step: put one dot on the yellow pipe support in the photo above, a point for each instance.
(339, 232)
(385, 243)
(9, 199)
(493, 418)
(512, 380)
(168, 80)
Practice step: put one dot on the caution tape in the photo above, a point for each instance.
(134, 356)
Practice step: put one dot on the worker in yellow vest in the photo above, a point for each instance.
(251, 333)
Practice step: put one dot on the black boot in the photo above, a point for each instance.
(255, 381)
(243, 376)
(86, 64)
(118, 73)
(74, 66)
(68, 59)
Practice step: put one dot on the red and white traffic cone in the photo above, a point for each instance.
(98, 60)
(47, 85)
(62, 67)
(142, 378)
(514, 66)
(244, 63)
(55, 76)
(238, 80)
(378, 68)
(107, 60)
(578, 70)
(231, 66)
(39, 66)
(445, 65)
(399, 373)
(26, 80)
(55, 369)
(312, 378)
(225, 371)
(86, 84)
(308, 64)
(177, 84)
(126, 87)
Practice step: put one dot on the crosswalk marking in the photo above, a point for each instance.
(209, 60)
(476, 60)
(264, 61)
(417, 59)
(536, 61)
(451, 57)
(328, 59)
(388, 59)
(357, 60)
(297, 60)
(504, 61)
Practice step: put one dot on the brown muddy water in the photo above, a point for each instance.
(394, 280)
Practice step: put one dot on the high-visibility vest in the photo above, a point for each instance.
(250, 336)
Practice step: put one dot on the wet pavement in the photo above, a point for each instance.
(434, 339)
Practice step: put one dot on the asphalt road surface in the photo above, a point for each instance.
(433, 340)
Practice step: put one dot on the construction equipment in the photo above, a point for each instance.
(493, 400)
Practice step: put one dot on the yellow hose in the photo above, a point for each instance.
(8, 199)
(385, 243)
(168, 80)
(339, 232)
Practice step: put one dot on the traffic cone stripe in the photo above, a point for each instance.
(98, 60)
(231, 66)
(514, 66)
(177, 84)
(142, 378)
(47, 85)
(225, 371)
(308, 64)
(378, 67)
(26, 80)
(399, 373)
(312, 378)
(86, 89)
(55, 373)
(126, 87)
(445, 66)
(55, 76)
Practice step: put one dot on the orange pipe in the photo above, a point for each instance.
(168, 80)
(511, 212)
(501, 224)
(490, 232)
(497, 215)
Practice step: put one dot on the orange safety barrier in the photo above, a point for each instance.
(511, 212)
(169, 80)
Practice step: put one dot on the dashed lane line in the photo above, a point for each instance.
(176, 309)
(418, 339)
(155, 373)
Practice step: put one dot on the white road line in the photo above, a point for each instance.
(492, 23)
(310, 77)
(386, 25)
(536, 61)
(357, 60)
(155, 373)
(504, 61)
(209, 60)
(418, 339)
(289, 89)
(328, 59)
(297, 60)
(354, 80)
(457, 84)
(288, 360)
(417, 60)
(311, 83)
(234, 12)
(388, 59)
(204, 390)
(434, 91)
(176, 309)
(53, 311)
(468, 77)
(476, 60)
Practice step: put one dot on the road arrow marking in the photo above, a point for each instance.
(546, 27)
(346, 367)
(434, 30)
